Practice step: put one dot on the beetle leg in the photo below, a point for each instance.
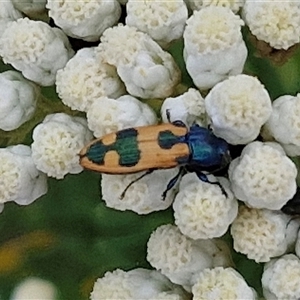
(204, 178)
(132, 182)
(172, 183)
(178, 123)
(168, 115)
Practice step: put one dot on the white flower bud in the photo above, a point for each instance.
(143, 196)
(275, 22)
(139, 284)
(238, 107)
(213, 46)
(110, 115)
(188, 108)
(85, 79)
(163, 21)
(201, 210)
(284, 123)
(84, 19)
(36, 49)
(34, 288)
(222, 283)
(17, 100)
(146, 70)
(280, 279)
(263, 176)
(57, 142)
(20, 181)
(234, 5)
(260, 233)
(180, 258)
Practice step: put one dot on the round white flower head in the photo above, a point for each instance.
(85, 79)
(163, 21)
(238, 107)
(180, 258)
(57, 142)
(17, 100)
(201, 210)
(84, 19)
(34, 9)
(34, 288)
(36, 49)
(143, 196)
(234, 5)
(213, 46)
(188, 107)
(138, 283)
(260, 233)
(222, 283)
(284, 123)
(275, 22)
(280, 279)
(146, 70)
(263, 176)
(20, 181)
(108, 115)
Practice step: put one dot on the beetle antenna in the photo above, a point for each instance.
(132, 182)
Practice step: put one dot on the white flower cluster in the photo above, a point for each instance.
(18, 99)
(262, 234)
(106, 83)
(85, 20)
(146, 70)
(263, 176)
(36, 49)
(222, 283)
(284, 123)
(20, 180)
(188, 107)
(280, 278)
(140, 197)
(139, 284)
(181, 258)
(202, 210)
(238, 107)
(57, 142)
(213, 46)
(121, 113)
(34, 288)
(234, 5)
(164, 21)
(275, 22)
(85, 79)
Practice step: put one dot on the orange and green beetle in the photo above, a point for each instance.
(195, 149)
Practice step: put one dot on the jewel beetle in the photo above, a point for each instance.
(168, 145)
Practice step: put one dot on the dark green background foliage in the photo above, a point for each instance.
(69, 237)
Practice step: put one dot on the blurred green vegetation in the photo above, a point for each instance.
(69, 237)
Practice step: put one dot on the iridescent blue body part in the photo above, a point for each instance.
(208, 153)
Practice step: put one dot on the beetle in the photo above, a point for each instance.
(292, 207)
(168, 145)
